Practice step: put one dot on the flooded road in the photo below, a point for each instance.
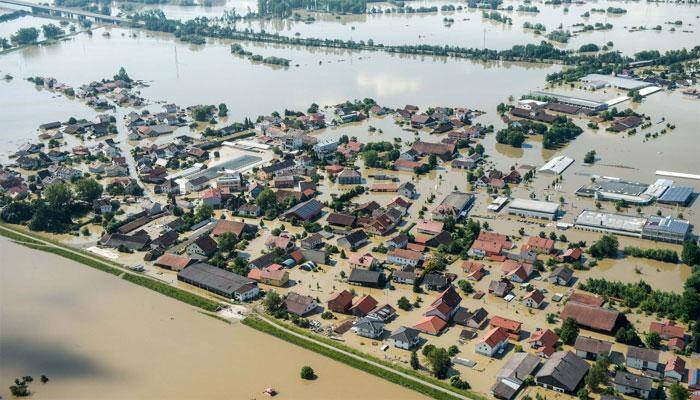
(97, 337)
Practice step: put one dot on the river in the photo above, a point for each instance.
(98, 337)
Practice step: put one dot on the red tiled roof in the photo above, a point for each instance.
(494, 337)
(173, 262)
(224, 225)
(535, 295)
(431, 325)
(585, 298)
(364, 304)
(667, 330)
(592, 317)
(508, 324)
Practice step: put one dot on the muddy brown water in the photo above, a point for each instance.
(98, 337)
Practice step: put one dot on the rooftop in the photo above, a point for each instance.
(534, 205)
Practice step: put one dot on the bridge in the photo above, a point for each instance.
(66, 12)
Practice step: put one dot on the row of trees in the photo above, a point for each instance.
(664, 255)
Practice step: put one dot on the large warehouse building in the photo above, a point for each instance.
(533, 209)
(664, 229)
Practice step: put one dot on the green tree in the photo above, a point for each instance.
(439, 361)
(52, 31)
(606, 247)
(25, 36)
(203, 212)
(272, 302)
(691, 253)
(569, 331)
(307, 373)
(266, 199)
(223, 110)
(58, 196)
(465, 286)
(404, 303)
(598, 374)
(88, 189)
(414, 360)
(678, 392)
(652, 340)
(122, 76)
(227, 241)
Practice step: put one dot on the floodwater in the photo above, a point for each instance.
(470, 29)
(98, 337)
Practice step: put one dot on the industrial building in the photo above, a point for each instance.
(664, 229)
(614, 190)
(619, 224)
(572, 101)
(533, 209)
(597, 81)
(557, 165)
(219, 281)
(681, 195)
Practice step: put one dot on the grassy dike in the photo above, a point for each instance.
(111, 268)
(259, 324)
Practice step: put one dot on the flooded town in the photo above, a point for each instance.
(344, 199)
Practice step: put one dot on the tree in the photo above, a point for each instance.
(589, 158)
(569, 331)
(598, 374)
(266, 199)
(606, 247)
(58, 196)
(88, 189)
(678, 392)
(453, 351)
(465, 286)
(122, 76)
(227, 241)
(25, 36)
(414, 360)
(16, 212)
(439, 361)
(652, 340)
(223, 110)
(307, 373)
(694, 344)
(203, 212)
(272, 302)
(404, 303)
(52, 31)
(691, 253)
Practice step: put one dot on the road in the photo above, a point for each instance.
(368, 361)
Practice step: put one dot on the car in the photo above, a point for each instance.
(289, 263)
(308, 266)
(138, 268)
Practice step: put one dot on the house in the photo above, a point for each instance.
(312, 241)
(676, 344)
(203, 246)
(540, 245)
(365, 261)
(562, 372)
(474, 319)
(228, 226)
(533, 299)
(408, 190)
(398, 242)
(363, 306)
(173, 262)
(405, 275)
(219, 281)
(585, 298)
(432, 325)
(283, 242)
(642, 358)
(517, 271)
(405, 338)
(490, 244)
(211, 197)
(544, 341)
(561, 276)
(341, 219)
(274, 277)
(495, 341)
(512, 376)
(590, 317)
(667, 330)
(474, 270)
(500, 288)
(455, 205)
(442, 151)
(349, 177)
(435, 281)
(305, 211)
(363, 277)
(675, 369)
(445, 305)
(570, 255)
(404, 257)
(511, 327)
(299, 305)
(354, 240)
(369, 328)
(117, 240)
(102, 206)
(249, 210)
(429, 227)
(633, 385)
(384, 313)
(591, 348)
(340, 302)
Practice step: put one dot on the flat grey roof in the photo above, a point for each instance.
(612, 221)
(622, 83)
(534, 205)
(667, 224)
(571, 100)
(216, 278)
